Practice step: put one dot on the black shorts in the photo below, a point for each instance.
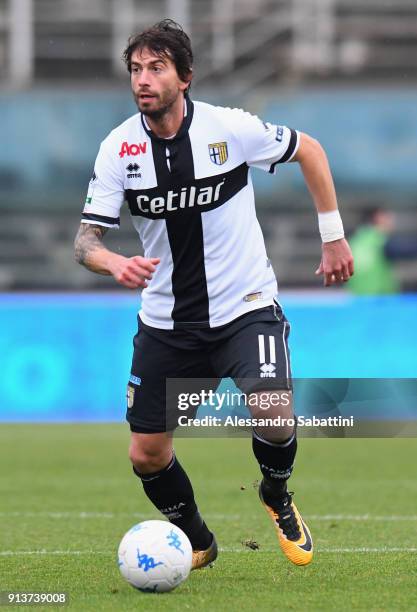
(252, 350)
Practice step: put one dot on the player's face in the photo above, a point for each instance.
(155, 83)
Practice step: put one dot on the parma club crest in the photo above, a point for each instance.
(218, 152)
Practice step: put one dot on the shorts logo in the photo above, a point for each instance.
(133, 149)
(136, 380)
(218, 153)
(267, 370)
(130, 396)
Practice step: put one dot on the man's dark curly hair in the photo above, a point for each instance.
(165, 39)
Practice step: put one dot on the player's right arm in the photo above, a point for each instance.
(131, 272)
(101, 211)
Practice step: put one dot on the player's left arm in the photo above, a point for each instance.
(337, 261)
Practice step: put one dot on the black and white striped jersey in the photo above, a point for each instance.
(192, 204)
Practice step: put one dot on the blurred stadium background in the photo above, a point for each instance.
(344, 71)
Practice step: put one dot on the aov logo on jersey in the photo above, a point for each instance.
(133, 149)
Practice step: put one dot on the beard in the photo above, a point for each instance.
(166, 102)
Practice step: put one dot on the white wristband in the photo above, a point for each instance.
(330, 226)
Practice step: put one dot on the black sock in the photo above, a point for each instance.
(276, 462)
(171, 492)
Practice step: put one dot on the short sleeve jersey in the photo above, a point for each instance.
(192, 203)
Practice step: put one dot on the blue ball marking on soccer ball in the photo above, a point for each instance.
(135, 528)
(146, 562)
(174, 540)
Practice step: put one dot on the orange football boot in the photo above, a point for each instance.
(293, 534)
(202, 558)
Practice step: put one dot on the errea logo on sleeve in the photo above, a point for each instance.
(133, 149)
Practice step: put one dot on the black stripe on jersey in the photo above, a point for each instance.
(101, 218)
(181, 196)
(185, 235)
(288, 153)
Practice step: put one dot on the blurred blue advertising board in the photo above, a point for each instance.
(66, 357)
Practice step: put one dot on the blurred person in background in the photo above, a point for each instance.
(375, 247)
(208, 300)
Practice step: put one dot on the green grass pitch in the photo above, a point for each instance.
(68, 495)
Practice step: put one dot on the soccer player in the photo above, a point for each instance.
(208, 301)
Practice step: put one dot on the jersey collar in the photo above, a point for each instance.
(185, 125)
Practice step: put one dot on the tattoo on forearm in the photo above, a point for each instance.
(88, 239)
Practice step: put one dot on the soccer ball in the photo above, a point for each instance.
(155, 556)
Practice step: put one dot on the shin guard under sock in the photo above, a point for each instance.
(170, 490)
(276, 461)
